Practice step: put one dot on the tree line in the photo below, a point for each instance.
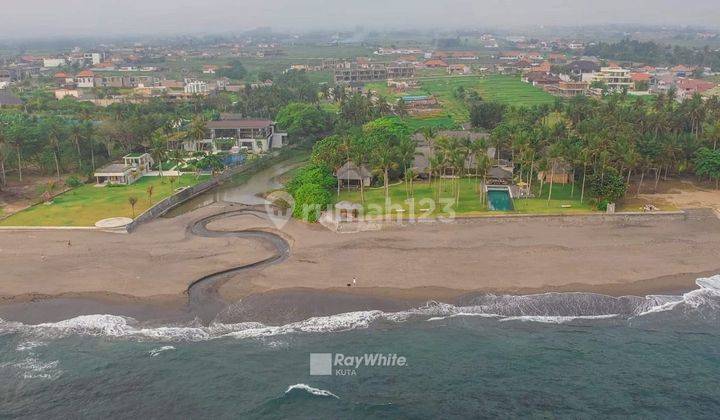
(48, 136)
(610, 147)
(652, 53)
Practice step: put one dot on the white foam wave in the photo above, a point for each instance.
(461, 314)
(710, 283)
(707, 296)
(547, 308)
(334, 323)
(34, 368)
(157, 351)
(310, 390)
(29, 345)
(555, 319)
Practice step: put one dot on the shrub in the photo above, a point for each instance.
(314, 173)
(73, 182)
(603, 205)
(608, 187)
(310, 200)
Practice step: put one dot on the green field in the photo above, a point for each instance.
(511, 90)
(177, 68)
(85, 205)
(470, 202)
(440, 122)
(508, 90)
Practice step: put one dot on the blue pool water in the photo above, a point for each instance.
(499, 200)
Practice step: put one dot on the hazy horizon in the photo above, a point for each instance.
(44, 18)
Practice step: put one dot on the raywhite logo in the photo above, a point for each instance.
(279, 206)
(325, 364)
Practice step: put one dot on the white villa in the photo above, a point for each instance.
(616, 78)
(133, 167)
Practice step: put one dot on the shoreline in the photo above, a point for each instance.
(301, 303)
(147, 275)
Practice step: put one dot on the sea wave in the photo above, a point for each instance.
(309, 390)
(31, 366)
(34, 368)
(157, 351)
(703, 302)
(555, 319)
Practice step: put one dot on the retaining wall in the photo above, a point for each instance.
(568, 219)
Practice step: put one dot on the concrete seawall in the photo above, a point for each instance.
(568, 219)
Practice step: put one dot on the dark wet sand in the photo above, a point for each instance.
(278, 307)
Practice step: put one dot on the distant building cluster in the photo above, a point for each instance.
(106, 75)
(564, 75)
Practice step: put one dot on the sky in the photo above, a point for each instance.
(49, 18)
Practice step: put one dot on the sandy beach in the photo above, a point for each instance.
(396, 267)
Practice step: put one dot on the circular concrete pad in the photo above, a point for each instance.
(113, 222)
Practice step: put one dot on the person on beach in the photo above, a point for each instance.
(354, 281)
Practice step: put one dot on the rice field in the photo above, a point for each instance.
(509, 90)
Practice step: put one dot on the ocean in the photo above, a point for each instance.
(557, 355)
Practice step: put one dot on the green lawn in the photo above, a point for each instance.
(320, 76)
(85, 205)
(470, 202)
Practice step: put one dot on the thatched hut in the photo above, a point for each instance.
(351, 176)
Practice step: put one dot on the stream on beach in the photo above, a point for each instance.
(241, 189)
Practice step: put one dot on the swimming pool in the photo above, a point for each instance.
(499, 199)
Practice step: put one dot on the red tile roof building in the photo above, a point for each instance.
(435, 63)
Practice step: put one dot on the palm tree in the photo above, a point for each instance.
(385, 158)
(406, 154)
(696, 113)
(643, 164)
(132, 200)
(3, 148)
(500, 136)
(457, 154)
(17, 141)
(149, 192)
(198, 128)
(158, 150)
(585, 154)
(215, 163)
(713, 134)
(54, 140)
(177, 157)
(76, 134)
(429, 132)
(436, 162)
(478, 149)
(454, 151)
(89, 130)
(359, 153)
(554, 155)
